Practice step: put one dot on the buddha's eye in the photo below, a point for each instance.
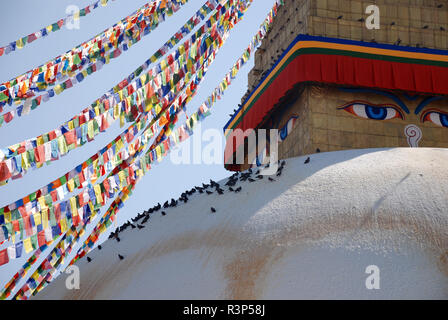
(437, 117)
(367, 110)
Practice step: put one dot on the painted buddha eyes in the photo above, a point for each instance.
(437, 117)
(375, 112)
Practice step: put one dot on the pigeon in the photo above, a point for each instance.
(213, 209)
(220, 191)
(209, 192)
(340, 17)
(99, 247)
(166, 204)
(260, 177)
(231, 189)
(120, 257)
(238, 189)
(307, 160)
(163, 213)
(270, 179)
(140, 226)
(118, 239)
(145, 219)
(89, 259)
(251, 180)
(317, 150)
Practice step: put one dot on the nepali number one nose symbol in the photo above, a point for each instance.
(413, 135)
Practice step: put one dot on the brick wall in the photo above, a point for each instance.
(322, 125)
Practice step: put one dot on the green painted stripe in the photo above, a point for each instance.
(336, 52)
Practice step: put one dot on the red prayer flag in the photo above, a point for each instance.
(4, 172)
(70, 137)
(4, 258)
(41, 238)
(28, 228)
(8, 116)
(54, 195)
(31, 37)
(39, 153)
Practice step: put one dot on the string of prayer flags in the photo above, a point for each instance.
(184, 131)
(55, 188)
(135, 168)
(95, 119)
(140, 174)
(20, 43)
(86, 58)
(32, 102)
(41, 203)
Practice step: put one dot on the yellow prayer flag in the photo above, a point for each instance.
(7, 216)
(19, 44)
(45, 218)
(42, 203)
(143, 78)
(40, 141)
(27, 245)
(25, 163)
(71, 185)
(62, 145)
(58, 89)
(63, 225)
(73, 206)
(122, 177)
(37, 219)
(97, 190)
(125, 197)
(90, 130)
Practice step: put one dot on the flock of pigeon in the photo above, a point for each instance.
(141, 219)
